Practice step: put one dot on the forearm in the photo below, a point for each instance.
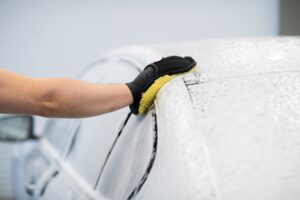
(59, 97)
(74, 98)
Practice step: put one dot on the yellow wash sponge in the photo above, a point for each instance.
(150, 94)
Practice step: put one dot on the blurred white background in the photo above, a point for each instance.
(60, 38)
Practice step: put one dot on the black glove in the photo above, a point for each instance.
(166, 66)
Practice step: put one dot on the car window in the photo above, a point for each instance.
(93, 140)
(58, 131)
(130, 159)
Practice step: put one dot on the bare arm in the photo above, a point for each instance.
(59, 97)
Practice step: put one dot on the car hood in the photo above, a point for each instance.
(232, 129)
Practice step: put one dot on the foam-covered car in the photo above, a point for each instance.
(229, 131)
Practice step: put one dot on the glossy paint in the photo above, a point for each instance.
(230, 131)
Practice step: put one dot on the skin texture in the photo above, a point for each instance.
(59, 97)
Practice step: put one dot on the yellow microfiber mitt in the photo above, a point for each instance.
(154, 76)
(148, 97)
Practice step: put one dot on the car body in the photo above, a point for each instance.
(229, 131)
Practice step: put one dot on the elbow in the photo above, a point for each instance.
(48, 109)
(48, 104)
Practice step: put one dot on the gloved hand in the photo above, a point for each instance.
(166, 66)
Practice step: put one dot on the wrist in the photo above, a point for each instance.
(136, 95)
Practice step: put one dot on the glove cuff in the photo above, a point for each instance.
(137, 95)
